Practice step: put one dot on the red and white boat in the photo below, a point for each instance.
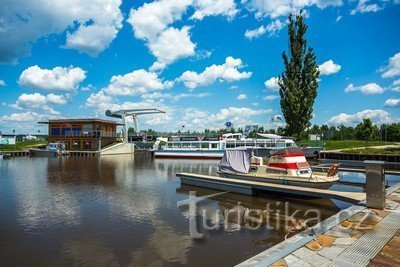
(286, 166)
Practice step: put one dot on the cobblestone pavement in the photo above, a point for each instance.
(325, 248)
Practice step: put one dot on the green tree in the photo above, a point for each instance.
(299, 82)
(364, 130)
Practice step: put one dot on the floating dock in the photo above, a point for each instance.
(251, 187)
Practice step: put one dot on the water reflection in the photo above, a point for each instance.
(122, 210)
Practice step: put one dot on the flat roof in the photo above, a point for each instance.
(84, 120)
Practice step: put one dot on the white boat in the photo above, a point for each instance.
(52, 150)
(215, 147)
(286, 166)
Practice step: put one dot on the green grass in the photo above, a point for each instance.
(342, 144)
(391, 150)
(348, 144)
(23, 145)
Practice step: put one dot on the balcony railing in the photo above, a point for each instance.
(94, 134)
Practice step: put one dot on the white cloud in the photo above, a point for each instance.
(37, 101)
(242, 97)
(338, 18)
(328, 68)
(363, 6)
(275, 9)
(59, 78)
(393, 103)
(393, 69)
(229, 71)
(272, 84)
(195, 119)
(214, 7)
(90, 25)
(272, 28)
(368, 89)
(151, 22)
(271, 97)
(250, 34)
(177, 97)
(28, 116)
(396, 82)
(377, 116)
(135, 83)
(171, 45)
(2, 83)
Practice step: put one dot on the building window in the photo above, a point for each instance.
(76, 145)
(55, 131)
(87, 145)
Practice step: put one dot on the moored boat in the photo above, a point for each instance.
(286, 166)
(215, 147)
(52, 150)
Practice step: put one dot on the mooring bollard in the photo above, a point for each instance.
(375, 184)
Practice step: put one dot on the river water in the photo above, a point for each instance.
(122, 211)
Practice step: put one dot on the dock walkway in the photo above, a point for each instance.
(357, 236)
(248, 187)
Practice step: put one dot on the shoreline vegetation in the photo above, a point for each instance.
(344, 146)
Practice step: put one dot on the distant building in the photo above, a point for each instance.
(83, 134)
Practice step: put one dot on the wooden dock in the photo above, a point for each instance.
(250, 187)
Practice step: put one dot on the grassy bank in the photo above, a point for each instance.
(343, 144)
(390, 150)
(23, 145)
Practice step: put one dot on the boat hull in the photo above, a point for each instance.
(218, 154)
(189, 154)
(274, 180)
(42, 153)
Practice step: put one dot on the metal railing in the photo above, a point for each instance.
(94, 134)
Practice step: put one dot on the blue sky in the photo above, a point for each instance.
(203, 62)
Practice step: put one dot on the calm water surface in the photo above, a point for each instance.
(122, 211)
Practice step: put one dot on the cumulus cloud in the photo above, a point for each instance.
(275, 9)
(368, 89)
(152, 22)
(28, 116)
(377, 116)
(2, 83)
(393, 68)
(250, 34)
(90, 25)
(272, 84)
(271, 97)
(272, 28)
(229, 72)
(204, 8)
(393, 103)
(171, 45)
(242, 97)
(364, 6)
(173, 97)
(195, 119)
(328, 68)
(59, 78)
(136, 82)
(38, 101)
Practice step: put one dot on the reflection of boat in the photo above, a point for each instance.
(286, 166)
(285, 219)
(52, 150)
(214, 147)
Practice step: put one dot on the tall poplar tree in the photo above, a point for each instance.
(299, 82)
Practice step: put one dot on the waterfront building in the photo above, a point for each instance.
(83, 134)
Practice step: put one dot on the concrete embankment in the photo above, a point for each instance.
(357, 236)
(119, 149)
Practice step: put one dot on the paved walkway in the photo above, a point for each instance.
(340, 246)
(359, 236)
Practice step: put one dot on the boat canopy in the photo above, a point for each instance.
(289, 152)
(274, 136)
(236, 160)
